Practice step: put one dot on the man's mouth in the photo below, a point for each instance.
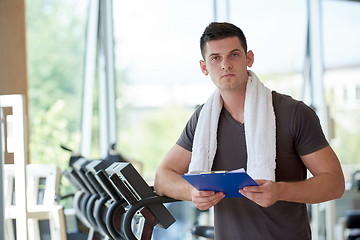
(228, 75)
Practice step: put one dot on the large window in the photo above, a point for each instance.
(158, 60)
(55, 50)
(342, 76)
(55, 46)
(158, 79)
(159, 82)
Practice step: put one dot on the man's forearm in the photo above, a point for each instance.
(326, 184)
(323, 187)
(171, 184)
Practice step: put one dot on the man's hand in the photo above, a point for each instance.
(204, 200)
(265, 195)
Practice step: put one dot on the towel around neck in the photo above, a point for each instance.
(259, 121)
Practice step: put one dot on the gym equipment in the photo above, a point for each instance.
(352, 222)
(139, 195)
(45, 217)
(113, 201)
(114, 214)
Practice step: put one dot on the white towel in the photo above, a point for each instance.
(259, 121)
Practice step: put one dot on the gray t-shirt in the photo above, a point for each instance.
(298, 132)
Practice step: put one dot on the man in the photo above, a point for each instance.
(276, 208)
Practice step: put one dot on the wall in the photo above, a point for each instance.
(13, 74)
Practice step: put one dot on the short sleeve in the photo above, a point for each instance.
(187, 136)
(308, 134)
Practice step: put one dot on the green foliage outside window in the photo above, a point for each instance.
(55, 46)
(55, 42)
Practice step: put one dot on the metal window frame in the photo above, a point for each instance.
(99, 60)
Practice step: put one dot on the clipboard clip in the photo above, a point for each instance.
(208, 172)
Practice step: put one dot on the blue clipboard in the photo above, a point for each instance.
(226, 182)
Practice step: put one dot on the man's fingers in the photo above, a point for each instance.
(204, 200)
(264, 195)
(246, 194)
(205, 193)
(256, 189)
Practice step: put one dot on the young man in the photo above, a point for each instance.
(276, 208)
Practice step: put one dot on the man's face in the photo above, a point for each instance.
(226, 62)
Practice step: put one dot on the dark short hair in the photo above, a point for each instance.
(221, 30)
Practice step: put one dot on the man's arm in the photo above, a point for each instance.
(168, 180)
(326, 184)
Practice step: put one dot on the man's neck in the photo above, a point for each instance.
(234, 103)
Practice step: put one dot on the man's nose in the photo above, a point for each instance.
(225, 65)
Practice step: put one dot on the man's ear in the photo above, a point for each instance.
(250, 58)
(203, 67)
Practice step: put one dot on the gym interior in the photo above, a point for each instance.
(94, 92)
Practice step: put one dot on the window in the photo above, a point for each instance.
(341, 34)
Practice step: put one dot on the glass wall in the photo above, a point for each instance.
(157, 54)
(159, 82)
(158, 57)
(342, 76)
(158, 77)
(55, 53)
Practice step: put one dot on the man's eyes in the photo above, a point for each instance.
(216, 58)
